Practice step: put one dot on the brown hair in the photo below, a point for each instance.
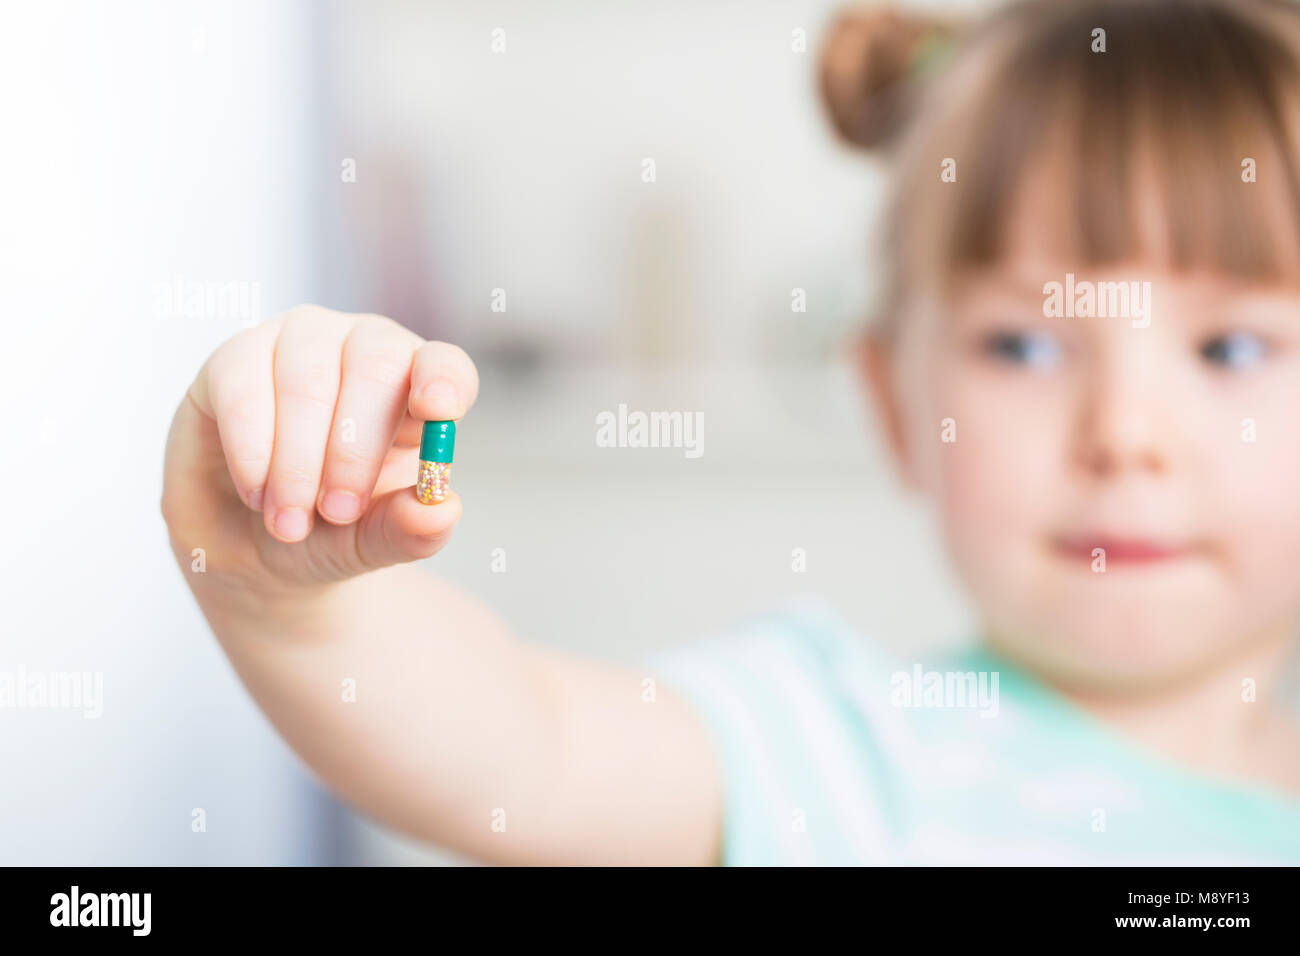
(1183, 93)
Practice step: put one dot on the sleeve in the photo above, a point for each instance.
(788, 742)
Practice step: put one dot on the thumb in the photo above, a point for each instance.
(397, 528)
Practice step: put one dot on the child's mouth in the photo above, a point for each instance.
(1117, 549)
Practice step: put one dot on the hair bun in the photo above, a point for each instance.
(869, 63)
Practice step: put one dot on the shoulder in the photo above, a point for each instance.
(782, 699)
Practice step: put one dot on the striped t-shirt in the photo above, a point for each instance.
(835, 751)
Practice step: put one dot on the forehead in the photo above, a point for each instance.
(1154, 211)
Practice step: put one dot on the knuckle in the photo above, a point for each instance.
(311, 384)
(384, 325)
(305, 323)
(248, 464)
(350, 459)
(295, 481)
(305, 312)
(241, 412)
(232, 344)
(385, 368)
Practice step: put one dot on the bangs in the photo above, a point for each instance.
(1139, 153)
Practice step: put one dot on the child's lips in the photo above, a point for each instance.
(1122, 549)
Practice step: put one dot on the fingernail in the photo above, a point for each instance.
(444, 398)
(255, 500)
(291, 523)
(340, 506)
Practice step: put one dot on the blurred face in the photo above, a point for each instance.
(1120, 494)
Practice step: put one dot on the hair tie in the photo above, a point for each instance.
(932, 51)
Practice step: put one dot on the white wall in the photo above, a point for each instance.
(142, 141)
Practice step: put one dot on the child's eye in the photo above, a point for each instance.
(1037, 349)
(1235, 350)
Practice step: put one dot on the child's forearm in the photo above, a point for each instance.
(289, 466)
(408, 698)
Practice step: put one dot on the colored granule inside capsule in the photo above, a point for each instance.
(434, 482)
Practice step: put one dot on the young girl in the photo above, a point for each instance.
(1087, 359)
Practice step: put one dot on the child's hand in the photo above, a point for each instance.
(285, 427)
(291, 460)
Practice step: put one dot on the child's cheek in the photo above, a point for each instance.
(1252, 496)
(998, 482)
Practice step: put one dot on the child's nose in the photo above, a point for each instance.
(1122, 426)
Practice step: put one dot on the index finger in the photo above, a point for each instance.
(444, 383)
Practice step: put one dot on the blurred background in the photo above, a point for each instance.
(173, 173)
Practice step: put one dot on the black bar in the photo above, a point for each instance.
(972, 905)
